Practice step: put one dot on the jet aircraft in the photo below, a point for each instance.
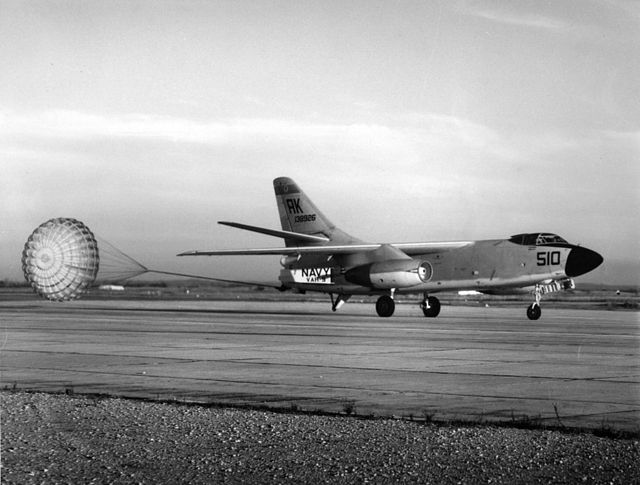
(320, 257)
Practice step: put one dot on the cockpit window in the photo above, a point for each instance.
(537, 239)
(544, 239)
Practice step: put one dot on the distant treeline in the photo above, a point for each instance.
(190, 283)
(13, 284)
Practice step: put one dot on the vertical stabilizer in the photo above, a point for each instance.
(299, 214)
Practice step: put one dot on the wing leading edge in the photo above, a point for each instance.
(407, 248)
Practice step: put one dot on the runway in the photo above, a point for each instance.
(574, 368)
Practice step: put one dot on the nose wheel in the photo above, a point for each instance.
(534, 311)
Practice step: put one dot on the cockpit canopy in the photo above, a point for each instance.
(538, 239)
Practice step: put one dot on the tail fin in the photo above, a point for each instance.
(299, 214)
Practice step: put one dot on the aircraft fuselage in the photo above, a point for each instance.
(487, 264)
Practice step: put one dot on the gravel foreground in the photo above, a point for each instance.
(73, 439)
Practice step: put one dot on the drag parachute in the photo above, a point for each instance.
(60, 259)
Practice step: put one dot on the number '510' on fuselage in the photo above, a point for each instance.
(320, 257)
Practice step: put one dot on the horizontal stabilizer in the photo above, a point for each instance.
(293, 236)
(408, 248)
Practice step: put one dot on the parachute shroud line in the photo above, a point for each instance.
(115, 265)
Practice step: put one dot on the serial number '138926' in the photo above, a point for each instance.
(548, 258)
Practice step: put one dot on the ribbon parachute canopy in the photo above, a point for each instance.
(60, 259)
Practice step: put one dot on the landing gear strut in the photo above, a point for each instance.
(385, 306)
(534, 311)
(430, 306)
(338, 301)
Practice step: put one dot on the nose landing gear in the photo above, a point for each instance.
(534, 311)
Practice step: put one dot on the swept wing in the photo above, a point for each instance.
(407, 248)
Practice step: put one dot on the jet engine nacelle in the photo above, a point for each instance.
(397, 273)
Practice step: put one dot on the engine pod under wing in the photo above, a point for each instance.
(402, 273)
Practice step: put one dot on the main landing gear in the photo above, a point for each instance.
(430, 306)
(385, 306)
(534, 311)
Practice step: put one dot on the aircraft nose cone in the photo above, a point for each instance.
(582, 260)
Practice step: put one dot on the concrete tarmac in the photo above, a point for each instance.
(572, 367)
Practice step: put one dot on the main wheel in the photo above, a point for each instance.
(385, 306)
(431, 307)
(534, 311)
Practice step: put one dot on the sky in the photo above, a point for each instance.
(402, 120)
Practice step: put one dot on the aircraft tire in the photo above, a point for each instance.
(534, 311)
(434, 307)
(385, 306)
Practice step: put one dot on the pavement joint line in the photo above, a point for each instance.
(348, 368)
(353, 388)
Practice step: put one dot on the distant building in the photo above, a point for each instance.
(111, 287)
